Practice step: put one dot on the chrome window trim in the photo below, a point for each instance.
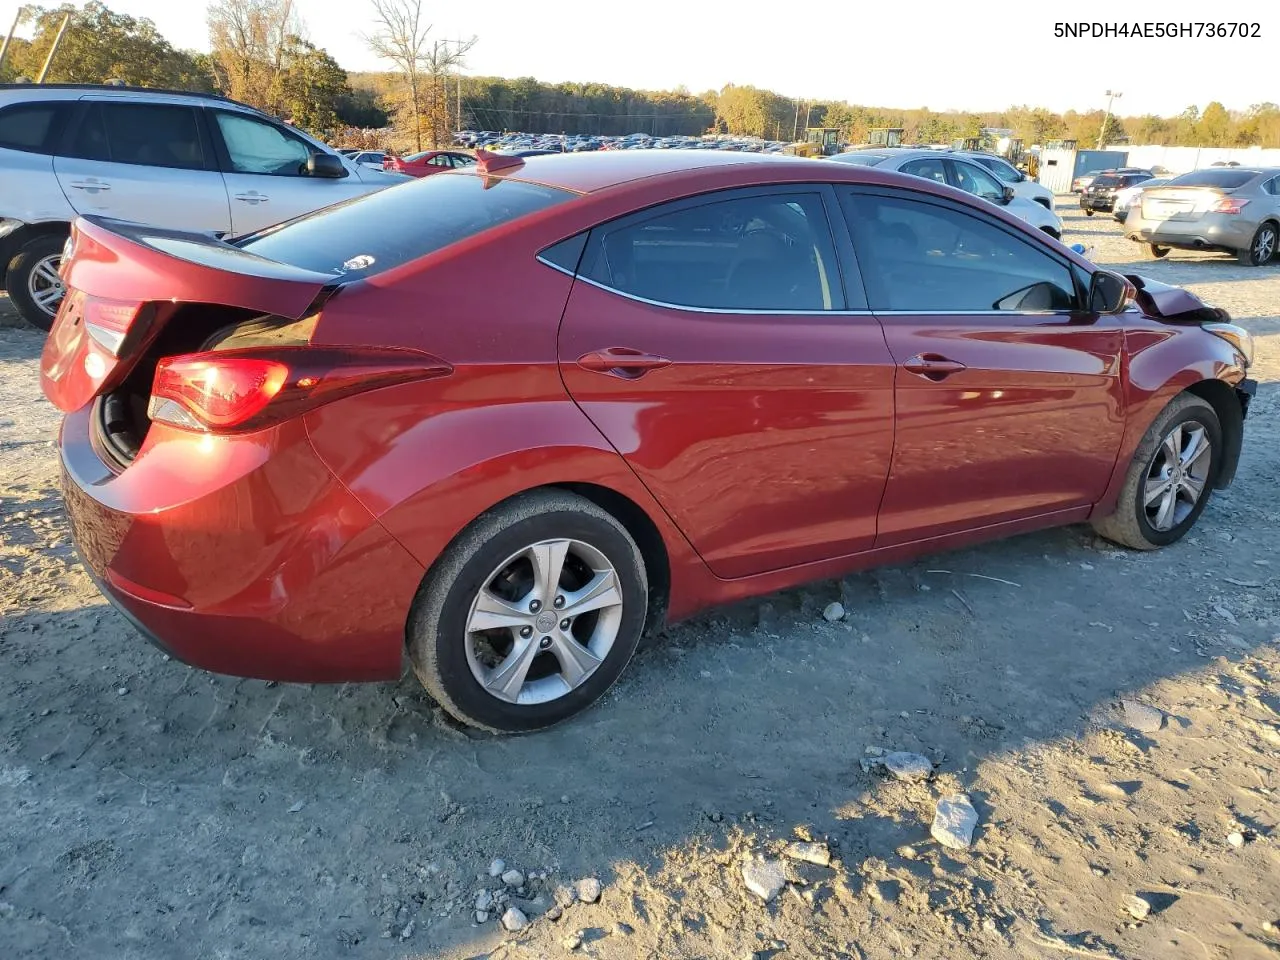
(809, 313)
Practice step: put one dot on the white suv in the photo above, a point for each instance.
(180, 160)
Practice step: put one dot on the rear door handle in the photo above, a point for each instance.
(621, 362)
(90, 185)
(252, 197)
(932, 366)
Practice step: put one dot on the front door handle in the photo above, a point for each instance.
(932, 366)
(91, 185)
(253, 197)
(621, 362)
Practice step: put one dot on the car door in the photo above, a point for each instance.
(144, 162)
(265, 169)
(708, 341)
(1009, 398)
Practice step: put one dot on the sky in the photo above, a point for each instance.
(940, 54)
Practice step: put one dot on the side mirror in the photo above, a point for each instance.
(326, 166)
(1007, 197)
(1109, 292)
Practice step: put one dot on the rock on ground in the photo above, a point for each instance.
(954, 821)
(514, 919)
(589, 890)
(907, 766)
(764, 878)
(1141, 716)
(833, 613)
(816, 853)
(1139, 907)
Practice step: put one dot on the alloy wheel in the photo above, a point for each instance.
(543, 621)
(1264, 245)
(44, 284)
(1178, 476)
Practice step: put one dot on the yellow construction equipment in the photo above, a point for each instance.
(818, 142)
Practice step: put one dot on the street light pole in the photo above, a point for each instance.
(17, 20)
(1102, 134)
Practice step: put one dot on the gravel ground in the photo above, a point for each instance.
(148, 810)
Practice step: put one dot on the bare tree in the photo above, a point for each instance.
(402, 39)
(250, 40)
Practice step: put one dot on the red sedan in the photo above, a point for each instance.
(506, 419)
(429, 162)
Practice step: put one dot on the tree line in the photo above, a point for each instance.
(260, 54)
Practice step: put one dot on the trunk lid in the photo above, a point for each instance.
(1180, 203)
(124, 282)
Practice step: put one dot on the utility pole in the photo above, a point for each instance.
(54, 49)
(17, 19)
(795, 130)
(1106, 118)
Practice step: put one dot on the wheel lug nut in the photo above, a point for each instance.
(544, 643)
(566, 623)
(559, 602)
(526, 632)
(535, 605)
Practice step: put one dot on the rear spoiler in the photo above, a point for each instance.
(116, 260)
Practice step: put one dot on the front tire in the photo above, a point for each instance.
(1170, 478)
(1261, 248)
(1155, 252)
(531, 614)
(32, 280)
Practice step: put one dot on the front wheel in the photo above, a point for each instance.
(1261, 248)
(1170, 479)
(33, 282)
(531, 614)
(1155, 252)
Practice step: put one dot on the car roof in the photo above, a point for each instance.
(593, 172)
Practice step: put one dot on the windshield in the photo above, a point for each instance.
(380, 231)
(1226, 179)
(1108, 180)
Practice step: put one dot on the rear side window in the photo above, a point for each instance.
(146, 134)
(383, 230)
(1225, 179)
(760, 252)
(28, 126)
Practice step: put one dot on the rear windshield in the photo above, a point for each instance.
(381, 231)
(1226, 179)
(1108, 180)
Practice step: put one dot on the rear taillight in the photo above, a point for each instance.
(241, 390)
(208, 394)
(109, 322)
(1229, 205)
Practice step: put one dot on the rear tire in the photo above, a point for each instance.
(32, 279)
(1155, 252)
(1137, 520)
(502, 678)
(1088, 212)
(1262, 248)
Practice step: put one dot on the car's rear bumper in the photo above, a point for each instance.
(1097, 203)
(241, 555)
(1224, 232)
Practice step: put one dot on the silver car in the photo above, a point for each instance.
(1229, 209)
(945, 167)
(1127, 197)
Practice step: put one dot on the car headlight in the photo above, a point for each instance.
(1238, 337)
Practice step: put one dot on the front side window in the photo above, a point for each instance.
(762, 252)
(973, 179)
(146, 134)
(27, 126)
(919, 256)
(930, 168)
(254, 146)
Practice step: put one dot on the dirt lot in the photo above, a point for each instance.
(148, 810)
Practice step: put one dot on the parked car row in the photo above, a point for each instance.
(583, 143)
(173, 160)
(1022, 197)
